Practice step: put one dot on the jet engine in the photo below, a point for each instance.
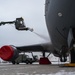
(9, 53)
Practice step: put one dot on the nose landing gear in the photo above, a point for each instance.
(71, 45)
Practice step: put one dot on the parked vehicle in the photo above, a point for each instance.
(25, 59)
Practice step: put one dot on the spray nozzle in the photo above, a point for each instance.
(31, 29)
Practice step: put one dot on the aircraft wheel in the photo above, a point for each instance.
(27, 62)
(72, 52)
(63, 59)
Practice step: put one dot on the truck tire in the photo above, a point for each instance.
(13, 62)
(30, 62)
(17, 63)
(27, 62)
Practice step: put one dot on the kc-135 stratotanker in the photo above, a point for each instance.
(60, 21)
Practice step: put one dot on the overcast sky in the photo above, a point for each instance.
(33, 13)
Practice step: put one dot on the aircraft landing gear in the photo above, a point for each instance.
(71, 44)
(72, 56)
(63, 54)
(44, 60)
(63, 59)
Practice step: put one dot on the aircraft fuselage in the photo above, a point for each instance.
(60, 17)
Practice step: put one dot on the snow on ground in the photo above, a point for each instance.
(62, 72)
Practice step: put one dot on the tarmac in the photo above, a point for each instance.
(35, 69)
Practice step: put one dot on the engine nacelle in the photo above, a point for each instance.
(9, 53)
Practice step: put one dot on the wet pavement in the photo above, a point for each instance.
(35, 69)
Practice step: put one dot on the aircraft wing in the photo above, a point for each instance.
(34, 48)
(10, 52)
